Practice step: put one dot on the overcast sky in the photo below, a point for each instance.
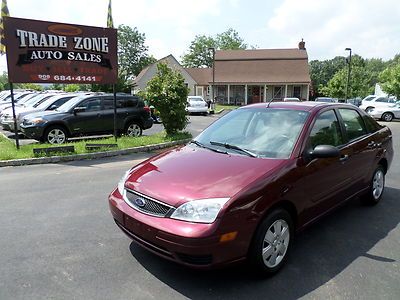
(370, 27)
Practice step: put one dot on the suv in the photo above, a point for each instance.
(88, 115)
(369, 104)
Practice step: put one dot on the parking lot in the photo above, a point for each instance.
(59, 241)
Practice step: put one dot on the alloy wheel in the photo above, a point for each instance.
(275, 244)
(56, 136)
(134, 130)
(387, 117)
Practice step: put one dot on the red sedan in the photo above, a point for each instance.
(243, 187)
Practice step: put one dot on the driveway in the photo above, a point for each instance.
(58, 241)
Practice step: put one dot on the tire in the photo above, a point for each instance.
(377, 186)
(133, 130)
(55, 135)
(387, 116)
(271, 243)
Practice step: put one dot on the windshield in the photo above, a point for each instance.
(267, 132)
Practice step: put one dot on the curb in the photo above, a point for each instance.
(95, 155)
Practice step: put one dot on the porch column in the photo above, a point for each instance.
(285, 90)
(308, 91)
(229, 93)
(245, 94)
(265, 93)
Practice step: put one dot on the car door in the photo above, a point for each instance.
(363, 144)
(325, 181)
(88, 119)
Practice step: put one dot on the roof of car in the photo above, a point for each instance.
(303, 105)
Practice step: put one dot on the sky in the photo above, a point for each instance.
(370, 27)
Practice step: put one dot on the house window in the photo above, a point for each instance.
(297, 91)
(277, 92)
(199, 91)
(208, 91)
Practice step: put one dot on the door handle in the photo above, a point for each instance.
(371, 145)
(344, 158)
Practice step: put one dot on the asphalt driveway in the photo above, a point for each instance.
(58, 241)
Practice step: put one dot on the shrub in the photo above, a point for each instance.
(168, 93)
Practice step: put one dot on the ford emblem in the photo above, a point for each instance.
(140, 202)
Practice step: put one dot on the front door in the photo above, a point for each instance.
(89, 120)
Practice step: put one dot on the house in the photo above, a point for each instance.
(247, 76)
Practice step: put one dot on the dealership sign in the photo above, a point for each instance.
(46, 52)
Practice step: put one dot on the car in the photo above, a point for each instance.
(88, 115)
(325, 99)
(243, 187)
(378, 101)
(386, 113)
(196, 104)
(43, 104)
(291, 99)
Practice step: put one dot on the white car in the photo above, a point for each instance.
(291, 99)
(196, 104)
(386, 113)
(379, 101)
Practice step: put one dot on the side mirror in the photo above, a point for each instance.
(53, 107)
(79, 109)
(324, 151)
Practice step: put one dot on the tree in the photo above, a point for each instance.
(200, 56)
(30, 86)
(359, 84)
(132, 58)
(390, 80)
(72, 88)
(168, 93)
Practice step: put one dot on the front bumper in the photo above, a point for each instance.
(33, 132)
(199, 109)
(192, 244)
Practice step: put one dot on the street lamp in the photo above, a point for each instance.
(212, 106)
(348, 74)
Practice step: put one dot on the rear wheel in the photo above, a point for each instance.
(377, 185)
(271, 242)
(55, 135)
(387, 116)
(133, 130)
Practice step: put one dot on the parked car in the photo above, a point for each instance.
(88, 115)
(386, 113)
(245, 185)
(379, 101)
(43, 104)
(355, 101)
(196, 104)
(325, 99)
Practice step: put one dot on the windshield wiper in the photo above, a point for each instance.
(234, 147)
(204, 146)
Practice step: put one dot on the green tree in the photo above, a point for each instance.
(30, 86)
(71, 88)
(198, 55)
(390, 80)
(132, 58)
(359, 84)
(168, 93)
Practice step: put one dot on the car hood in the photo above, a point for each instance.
(190, 172)
(46, 113)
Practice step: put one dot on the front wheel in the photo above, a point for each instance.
(133, 130)
(270, 246)
(368, 109)
(388, 117)
(55, 135)
(377, 185)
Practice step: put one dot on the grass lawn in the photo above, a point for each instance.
(218, 107)
(9, 151)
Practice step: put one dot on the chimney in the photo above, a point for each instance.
(302, 45)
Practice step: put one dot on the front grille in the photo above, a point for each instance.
(146, 205)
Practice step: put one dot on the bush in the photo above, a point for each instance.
(168, 93)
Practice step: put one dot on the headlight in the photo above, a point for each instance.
(121, 183)
(199, 211)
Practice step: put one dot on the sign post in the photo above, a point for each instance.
(48, 52)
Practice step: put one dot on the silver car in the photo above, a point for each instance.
(386, 113)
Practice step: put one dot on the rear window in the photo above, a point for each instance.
(353, 123)
(371, 124)
(108, 103)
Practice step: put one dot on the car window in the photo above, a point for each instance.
(382, 99)
(326, 130)
(353, 123)
(93, 104)
(371, 124)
